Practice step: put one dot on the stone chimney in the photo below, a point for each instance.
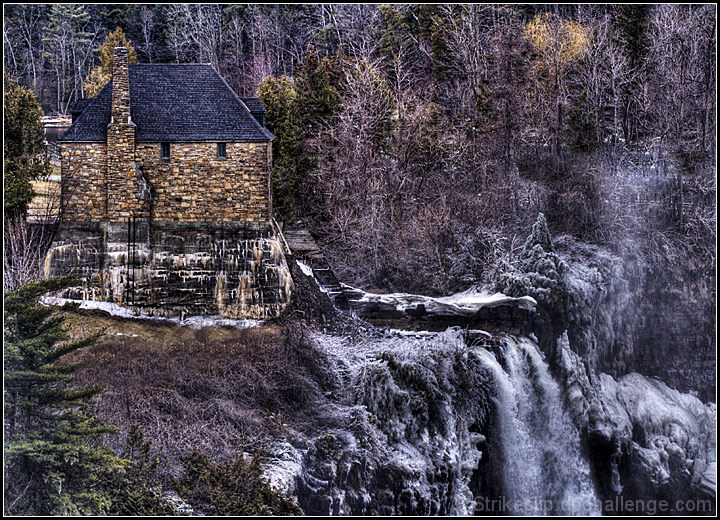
(121, 86)
(122, 201)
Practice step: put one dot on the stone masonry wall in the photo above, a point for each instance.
(195, 186)
(204, 246)
(84, 190)
(175, 270)
(128, 189)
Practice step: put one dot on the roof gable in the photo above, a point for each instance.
(254, 105)
(173, 102)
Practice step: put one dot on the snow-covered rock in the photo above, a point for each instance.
(466, 303)
(664, 440)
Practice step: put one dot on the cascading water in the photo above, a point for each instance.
(425, 428)
(544, 470)
(421, 423)
(565, 485)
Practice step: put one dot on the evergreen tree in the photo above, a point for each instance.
(68, 40)
(133, 492)
(50, 466)
(278, 98)
(396, 46)
(582, 118)
(541, 272)
(24, 152)
(317, 87)
(395, 33)
(433, 22)
(296, 110)
(101, 74)
(632, 24)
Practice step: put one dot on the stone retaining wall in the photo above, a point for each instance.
(175, 270)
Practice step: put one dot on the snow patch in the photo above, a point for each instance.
(194, 322)
(306, 269)
(466, 303)
(283, 467)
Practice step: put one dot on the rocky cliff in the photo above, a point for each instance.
(427, 424)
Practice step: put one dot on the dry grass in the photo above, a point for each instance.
(219, 390)
(46, 202)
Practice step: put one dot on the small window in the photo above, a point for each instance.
(221, 152)
(165, 150)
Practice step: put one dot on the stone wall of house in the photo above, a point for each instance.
(195, 186)
(84, 190)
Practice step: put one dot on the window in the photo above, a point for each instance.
(165, 150)
(221, 152)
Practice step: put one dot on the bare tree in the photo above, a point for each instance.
(25, 246)
(682, 43)
(148, 32)
(28, 237)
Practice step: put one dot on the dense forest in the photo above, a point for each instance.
(415, 137)
(420, 143)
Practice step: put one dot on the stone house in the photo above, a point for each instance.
(166, 196)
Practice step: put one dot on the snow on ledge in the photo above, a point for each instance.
(306, 269)
(194, 322)
(466, 303)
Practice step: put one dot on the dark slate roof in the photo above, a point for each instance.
(169, 102)
(80, 105)
(254, 104)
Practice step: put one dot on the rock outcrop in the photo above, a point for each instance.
(648, 440)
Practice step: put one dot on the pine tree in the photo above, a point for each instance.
(632, 22)
(66, 37)
(278, 98)
(101, 74)
(397, 41)
(24, 152)
(50, 466)
(296, 110)
(133, 492)
(433, 22)
(541, 271)
(317, 87)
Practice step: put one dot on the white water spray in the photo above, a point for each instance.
(544, 470)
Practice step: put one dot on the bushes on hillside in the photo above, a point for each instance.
(234, 487)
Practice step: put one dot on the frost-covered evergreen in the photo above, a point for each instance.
(540, 272)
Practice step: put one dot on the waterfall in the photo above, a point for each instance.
(544, 470)
(466, 422)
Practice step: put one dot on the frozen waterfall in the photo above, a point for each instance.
(543, 467)
(440, 427)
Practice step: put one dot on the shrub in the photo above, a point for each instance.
(234, 487)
